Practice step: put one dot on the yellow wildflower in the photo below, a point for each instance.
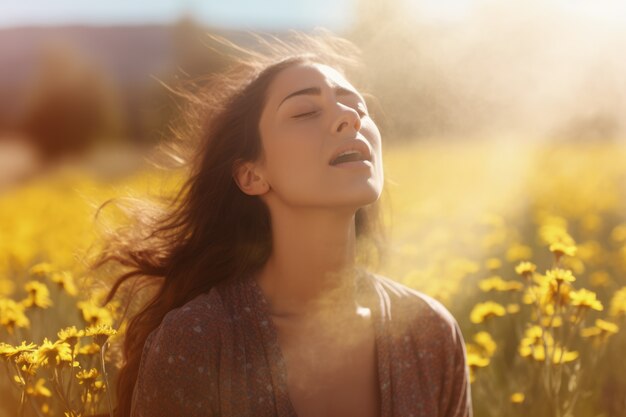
(561, 355)
(9, 352)
(100, 333)
(7, 287)
(555, 292)
(618, 303)
(39, 389)
(607, 326)
(517, 397)
(555, 230)
(552, 321)
(600, 332)
(70, 335)
(38, 295)
(483, 311)
(41, 270)
(518, 252)
(560, 275)
(28, 362)
(12, 315)
(87, 376)
(94, 315)
(51, 354)
(486, 342)
(512, 308)
(525, 269)
(532, 342)
(475, 360)
(90, 349)
(498, 284)
(493, 264)
(618, 234)
(559, 249)
(65, 280)
(585, 299)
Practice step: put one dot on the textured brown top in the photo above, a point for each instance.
(218, 355)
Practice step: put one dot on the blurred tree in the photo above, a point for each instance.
(71, 104)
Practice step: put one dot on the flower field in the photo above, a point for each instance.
(525, 244)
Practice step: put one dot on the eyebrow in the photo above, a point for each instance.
(340, 91)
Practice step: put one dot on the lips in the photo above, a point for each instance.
(353, 145)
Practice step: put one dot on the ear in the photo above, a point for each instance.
(247, 178)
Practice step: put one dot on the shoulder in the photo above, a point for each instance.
(192, 323)
(179, 362)
(420, 311)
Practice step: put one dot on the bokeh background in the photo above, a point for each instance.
(504, 137)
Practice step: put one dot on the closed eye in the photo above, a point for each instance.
(361, 113)
(305, 114)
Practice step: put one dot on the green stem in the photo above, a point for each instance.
(106, 380)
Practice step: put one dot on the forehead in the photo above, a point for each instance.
(306, 75)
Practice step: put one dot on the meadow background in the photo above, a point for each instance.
(504, 147)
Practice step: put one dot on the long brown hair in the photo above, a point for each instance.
(210, 231)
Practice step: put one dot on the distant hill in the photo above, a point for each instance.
(127, 55)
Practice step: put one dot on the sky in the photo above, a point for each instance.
(243, 14)
(256, 14)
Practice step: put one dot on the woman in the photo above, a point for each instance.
(264, 307)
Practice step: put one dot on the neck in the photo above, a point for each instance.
(312, 266)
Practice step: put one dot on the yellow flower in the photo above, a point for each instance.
(94, 315)
(493, 264)
(560, 249)
(65, 280)
(70, 335)
(552, 321)
(512, 308)
(51, 354)
(100, 333)
(600, 332)
(554, 229)
(525, 269)
(585, 299)
(38, 295)
(518, 252)
(90, 349)
(12, 315)
(475, 360)
(561, 355)
(485, 341)
(532, 342)
(607, 326)
(560, 275)
(517, 397)
(498, 284)
(483, 311)
(7, 287)
(618, 303)
(9, 352)
(27, 361)
(87, 376)
(41, 270)
(39, 389)
(555, 292)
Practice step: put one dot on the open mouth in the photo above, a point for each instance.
(349, 157)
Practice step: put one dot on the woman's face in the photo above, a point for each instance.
(311, 112)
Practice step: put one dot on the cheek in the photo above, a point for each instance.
(293, 150)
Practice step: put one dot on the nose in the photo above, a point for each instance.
(348, 117)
